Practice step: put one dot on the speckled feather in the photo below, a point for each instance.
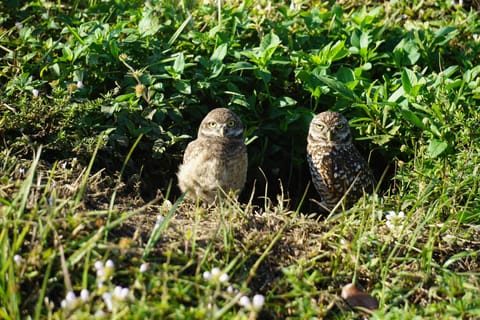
(335, 164)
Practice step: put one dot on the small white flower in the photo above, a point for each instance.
(476, 37)
(35, 93)
(107, 298)
(21, 171)
(84, 294)
(125, 293)
(69, 301)
(19, 25)
(258, 302)
(215, 272)
(245, 302)
(70, 297)
(230, 289)
(395, 220)
(50, 201)
(207, 275)
(79, 84)
(17, 259)
(215, 275)
(143, 267)
(120, 293)
(109, 264)
(223, 277)
(101, 273)
(99, 314)
(117, 291)
(98, 265)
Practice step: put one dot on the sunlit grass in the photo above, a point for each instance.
(217, 262)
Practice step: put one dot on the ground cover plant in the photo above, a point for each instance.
(98, 99)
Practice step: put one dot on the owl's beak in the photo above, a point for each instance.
(223, 131)
(329, 136)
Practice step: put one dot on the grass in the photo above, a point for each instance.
(99, 100)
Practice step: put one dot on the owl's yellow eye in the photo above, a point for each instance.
(230, 123)
(212, 124)
(319, 125)
(339, 126)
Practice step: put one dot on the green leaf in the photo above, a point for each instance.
(345, 75)
(409, 80)
(263, 74)
(283, 102)
(436, 147)
(270, 41)
(406, 53)
(148, 25)
(268, 46)
(444, 35)
(453, 84)
(364, 40)
(242, 65)
(355, 39)
(56, 69)
(179, 64)
(183, 86)
(412, 118)
(434, 129)
(216, 70)
(179, 31)
(219, 53)
(337, 86)
(114, 49)
(449, 71)
(338, 51)
(397, 95)
(67, 53)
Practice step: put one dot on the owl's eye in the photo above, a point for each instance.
(230, 123)
(212, 124)
(319, 125)
(339, 126)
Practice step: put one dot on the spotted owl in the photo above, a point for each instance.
(335, 164)
(216, 162)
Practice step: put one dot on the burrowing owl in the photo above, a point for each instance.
(216, 161)
(335, 163)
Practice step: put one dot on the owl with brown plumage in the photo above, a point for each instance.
(336, 166)
(216, 162)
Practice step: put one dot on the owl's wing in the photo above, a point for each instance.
(351, 167)
(191, 151)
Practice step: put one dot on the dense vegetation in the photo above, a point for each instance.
(98, 100)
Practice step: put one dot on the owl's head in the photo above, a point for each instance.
(221, 123)
(329, 128)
